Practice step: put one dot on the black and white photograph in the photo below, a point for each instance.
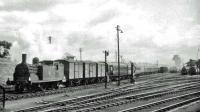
(99, 55)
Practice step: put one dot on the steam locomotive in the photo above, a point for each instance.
(191, 67)
(51, 74)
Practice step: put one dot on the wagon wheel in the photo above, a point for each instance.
(40, 88)
(57, 85)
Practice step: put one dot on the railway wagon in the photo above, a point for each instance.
(101, 72)
(163, 69)
(81, 72)
(90, 72)
(73, 73)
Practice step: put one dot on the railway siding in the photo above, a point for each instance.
(105, 99)
(148, 91)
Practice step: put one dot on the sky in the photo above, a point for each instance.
(153, 30)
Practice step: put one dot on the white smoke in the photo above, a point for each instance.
(33, 41)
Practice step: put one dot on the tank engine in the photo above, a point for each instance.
(36, 76)
(191, 67)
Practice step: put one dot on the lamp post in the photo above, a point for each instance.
(118, 31)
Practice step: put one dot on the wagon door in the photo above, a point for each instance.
(71, 71)
(87, 71)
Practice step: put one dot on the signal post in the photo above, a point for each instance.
(106, 67)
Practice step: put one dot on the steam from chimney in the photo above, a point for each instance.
(33, 41)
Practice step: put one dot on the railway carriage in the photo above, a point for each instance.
(143, 68)
(125, 71)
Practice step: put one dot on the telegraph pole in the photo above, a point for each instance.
(197, 53)
(106, 68)
(80, 50)
(118, 29)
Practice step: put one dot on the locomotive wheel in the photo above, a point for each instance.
(57, 85)
(19, 88)
(39, 87)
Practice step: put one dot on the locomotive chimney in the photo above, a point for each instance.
(24, 58)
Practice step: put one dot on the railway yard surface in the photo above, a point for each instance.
(155, 92)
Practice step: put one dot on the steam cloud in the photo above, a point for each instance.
(153, 30)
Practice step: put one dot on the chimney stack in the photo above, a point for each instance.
(24, 58)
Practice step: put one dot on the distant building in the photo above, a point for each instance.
(68, 56)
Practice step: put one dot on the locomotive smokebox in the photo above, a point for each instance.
(23, 58)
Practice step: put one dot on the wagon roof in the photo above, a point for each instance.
(79, 61)
(65, 60)
(115, 63)
(47, 62)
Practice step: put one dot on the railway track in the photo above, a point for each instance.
(11, 96)
(123, 100)
(182, 100)
(176, 105)
(92, 98)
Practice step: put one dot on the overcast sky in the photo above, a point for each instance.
(153, 29)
